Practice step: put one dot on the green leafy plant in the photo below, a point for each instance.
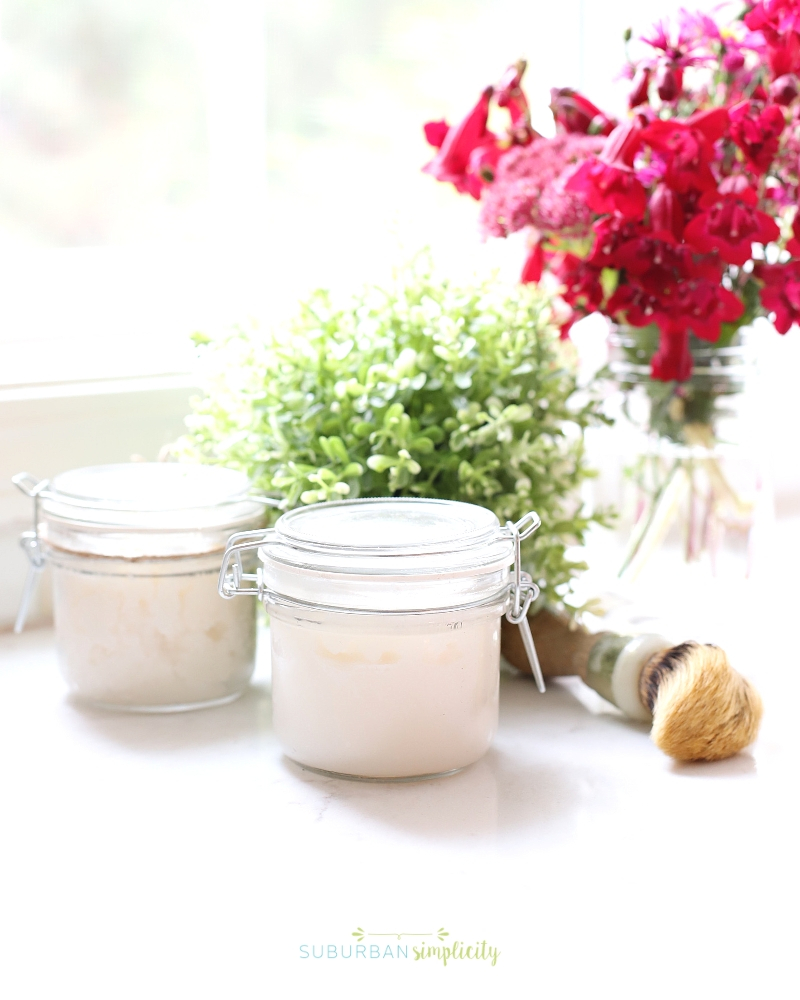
(423, 388)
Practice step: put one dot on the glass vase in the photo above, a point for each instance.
(696, 478)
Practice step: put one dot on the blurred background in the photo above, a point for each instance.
(177, 165)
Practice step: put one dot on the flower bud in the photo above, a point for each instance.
(666, 211)
(640, 87)
(784, 90)
(668, 83)
(534, 264)
(732, 61)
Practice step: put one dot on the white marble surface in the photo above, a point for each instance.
(183, 857)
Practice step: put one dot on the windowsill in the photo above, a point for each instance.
(49, 427)
(96, 387)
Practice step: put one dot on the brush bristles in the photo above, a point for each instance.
(703, 709)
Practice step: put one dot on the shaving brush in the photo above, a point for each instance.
(699, 706)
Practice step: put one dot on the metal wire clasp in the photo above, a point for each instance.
(232, 574)
(31, 543)
(524, 592)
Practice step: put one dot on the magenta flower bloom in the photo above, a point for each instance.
(781, 292)
(689, 46)
(688, 147)
(757, 135)
(452, 162)
(580, 281)
(702, 307)
(779, 22)
(608, 183)
(730, 222)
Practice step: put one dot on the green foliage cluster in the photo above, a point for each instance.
(424, 388)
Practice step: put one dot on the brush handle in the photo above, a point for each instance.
(610, 664)
(563, 646)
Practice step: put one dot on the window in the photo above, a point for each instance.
(173, 165)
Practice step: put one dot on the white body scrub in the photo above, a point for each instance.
(398, 698)
(135, 552)
(150, 634)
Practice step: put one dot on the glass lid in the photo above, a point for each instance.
(148, 486)
(388, 553)
(193, 508)
(387, 526)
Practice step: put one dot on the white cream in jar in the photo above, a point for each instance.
(385, 632)
(135, 552)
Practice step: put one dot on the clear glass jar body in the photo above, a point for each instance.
(386, 695)
(150, 634)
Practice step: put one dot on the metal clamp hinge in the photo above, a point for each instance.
(31, 544)
(524, 592)
(233, 580)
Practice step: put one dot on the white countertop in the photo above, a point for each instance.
(182, 857)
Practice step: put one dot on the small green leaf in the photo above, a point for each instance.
(380, 463)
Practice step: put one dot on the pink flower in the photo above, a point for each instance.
(688, 147)
(608, 182)
(730, 222)
(529, 188)
(452, 162)
(690, 46)
(757, 134)
(781, 292)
